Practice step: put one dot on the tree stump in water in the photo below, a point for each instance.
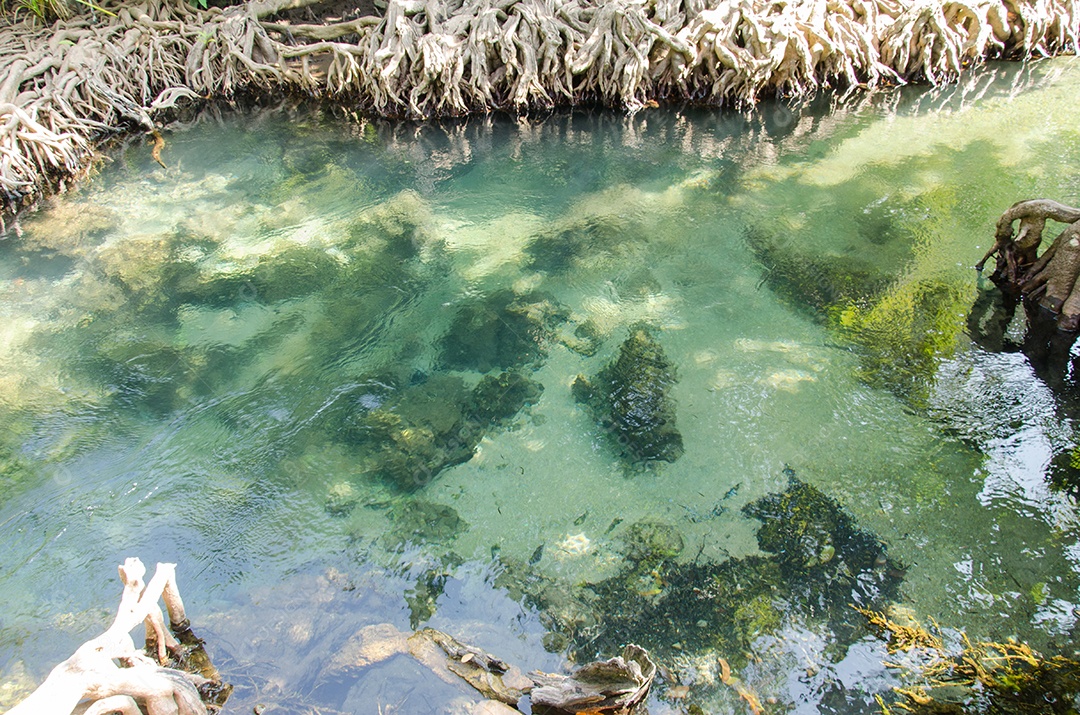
(1050, 279)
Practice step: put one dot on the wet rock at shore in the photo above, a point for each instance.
(631, 401)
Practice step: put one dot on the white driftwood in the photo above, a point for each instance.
(111, 671)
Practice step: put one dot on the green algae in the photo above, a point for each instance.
(816, 559)
(651, 542)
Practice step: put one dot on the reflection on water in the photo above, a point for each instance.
(336, 371)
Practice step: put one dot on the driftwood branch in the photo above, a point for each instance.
(116, 676)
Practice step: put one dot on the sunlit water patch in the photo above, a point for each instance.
(678, 378)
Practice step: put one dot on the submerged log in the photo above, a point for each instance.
(1050, 279)
(613, 687)
(67, 86)
(617, 685)
(114, 676)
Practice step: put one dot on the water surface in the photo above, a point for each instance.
(195, 362)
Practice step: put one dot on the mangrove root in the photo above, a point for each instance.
(1050, 279)
(114, 676)
(67, 86)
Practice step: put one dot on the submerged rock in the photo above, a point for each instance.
(810, 534)
(815, 277)
(502, 330)
(67, 229)
(400, 226)
(412, 433)
(499, 397)
(341, 499)
(586, 339)
(14, 471)
(609, 225)
(417, 521)
(630, 398)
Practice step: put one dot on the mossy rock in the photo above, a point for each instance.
(423, 598)
(631, 399)
(586, 339)
(292, 271)
(500, 331)
(420, 521)
(811, 535)
(145, 372)
(811, 280)
(419, 431)
(67, 228)
(606, 226)
(400, 227)
(14, 471)
(341, 499)
(672, 607)
(145, 268)
(412, 433)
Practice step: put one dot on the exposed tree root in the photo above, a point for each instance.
(1049, 279)
(67, 86)
(108, 674)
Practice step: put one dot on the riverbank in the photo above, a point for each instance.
(69, 86)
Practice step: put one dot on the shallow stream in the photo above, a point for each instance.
(263, 362)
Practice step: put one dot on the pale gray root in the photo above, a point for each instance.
(65, 87)
(93, 672)
(1050, 278)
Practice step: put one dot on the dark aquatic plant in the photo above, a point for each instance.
(659, 601)
(631, 400)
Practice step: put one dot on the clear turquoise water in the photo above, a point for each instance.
(807, 273)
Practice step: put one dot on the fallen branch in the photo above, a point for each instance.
(613, 687)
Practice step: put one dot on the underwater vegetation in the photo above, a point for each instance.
(816, 560)
(14, 472)
(971, 678)
(902, 337)
(630, 399)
